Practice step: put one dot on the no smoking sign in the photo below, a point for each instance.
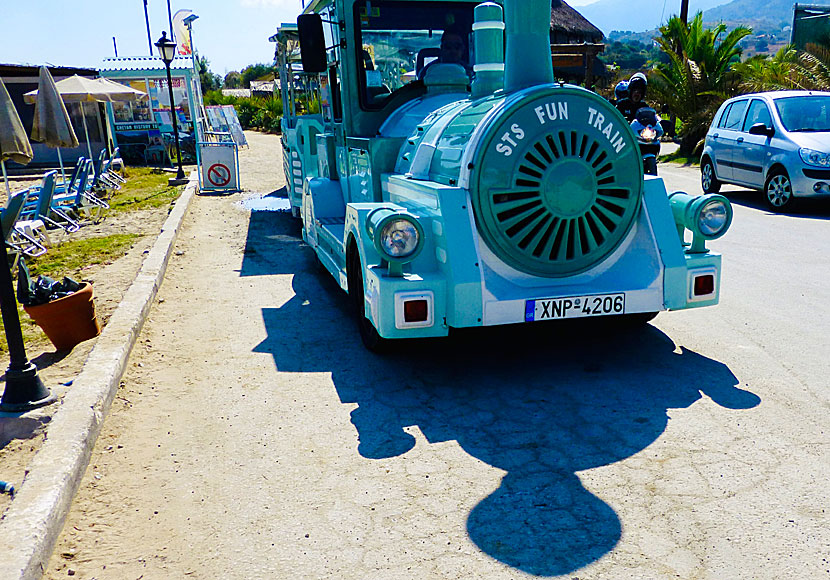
(219, 175)
(219, 170)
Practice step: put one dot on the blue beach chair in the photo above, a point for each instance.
(35, 221)
(18, 242)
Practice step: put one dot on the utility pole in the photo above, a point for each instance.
(684, 11)
(170, 19)
(147, 20)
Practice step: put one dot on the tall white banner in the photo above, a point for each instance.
(181, 33)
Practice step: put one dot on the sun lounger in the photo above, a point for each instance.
(35, 221)
(18, 242)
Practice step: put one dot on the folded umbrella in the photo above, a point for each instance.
(52, 125)
(14, 144)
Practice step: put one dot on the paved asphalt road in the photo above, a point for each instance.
(694, 448)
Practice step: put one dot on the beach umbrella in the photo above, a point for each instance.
(78, 89)
(14, 144)
(52, 125)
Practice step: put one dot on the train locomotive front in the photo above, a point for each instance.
(503, 200)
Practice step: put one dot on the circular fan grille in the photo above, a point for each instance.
(570, 202)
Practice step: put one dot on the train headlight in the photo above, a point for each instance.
(707, 216)
(714, 218)
(397, 235)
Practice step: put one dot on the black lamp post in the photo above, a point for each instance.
(167, 51)
(24, 389)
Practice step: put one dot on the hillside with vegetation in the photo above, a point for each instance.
(772, 14)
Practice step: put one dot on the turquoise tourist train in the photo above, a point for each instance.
(447, 181)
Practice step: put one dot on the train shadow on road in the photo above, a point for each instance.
(540, 402)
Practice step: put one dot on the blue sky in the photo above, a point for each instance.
(230, 33)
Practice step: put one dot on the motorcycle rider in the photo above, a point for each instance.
(646, 125)
(644, 121)
(620, 92)
(629, 106)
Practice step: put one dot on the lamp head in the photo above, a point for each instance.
(190, 19)
(166, 48)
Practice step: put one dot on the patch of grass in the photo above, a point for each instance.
(70, 259)
(73, 256)
(676, 157)
(146, 188)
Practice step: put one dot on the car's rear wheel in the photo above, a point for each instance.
(708, 180)
(779, 190)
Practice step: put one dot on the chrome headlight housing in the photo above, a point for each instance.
(397, 234)
(814, 158)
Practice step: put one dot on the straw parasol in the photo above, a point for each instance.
(52, 125)
(78, 89)
(14, 144)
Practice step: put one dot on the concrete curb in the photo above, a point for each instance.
(35, 518)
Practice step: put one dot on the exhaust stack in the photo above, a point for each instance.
(488, 44)
(528, 61)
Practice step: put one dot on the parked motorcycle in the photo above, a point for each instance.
(647, 127)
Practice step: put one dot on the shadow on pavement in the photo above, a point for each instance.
(810, 208)
(540, 402)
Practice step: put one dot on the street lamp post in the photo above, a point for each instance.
(24, 389)
(167, 51)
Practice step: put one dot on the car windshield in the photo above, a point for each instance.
(804, 113)
(399, 39)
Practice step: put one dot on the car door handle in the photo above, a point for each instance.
(740, 139)
(714, 135)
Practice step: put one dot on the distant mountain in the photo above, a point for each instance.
(640, 15)
(770, 13)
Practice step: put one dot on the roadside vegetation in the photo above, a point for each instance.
(704, 68)
(146, 189)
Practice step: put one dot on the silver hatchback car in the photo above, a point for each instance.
(777, 142)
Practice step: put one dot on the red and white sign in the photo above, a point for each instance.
(219, 175)
(219, 170)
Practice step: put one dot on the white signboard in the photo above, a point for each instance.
(219, 171)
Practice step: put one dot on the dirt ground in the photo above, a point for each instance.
(253, 437)
(85, 547)
(21, 436)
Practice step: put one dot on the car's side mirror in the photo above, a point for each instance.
(312, 43)
(761, 129)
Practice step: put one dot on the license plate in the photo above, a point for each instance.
(574, 307)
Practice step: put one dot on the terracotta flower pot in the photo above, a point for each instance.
(67, 321)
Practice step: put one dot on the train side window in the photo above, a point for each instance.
(334, 90)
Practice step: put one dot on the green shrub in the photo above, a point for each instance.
(253, 112)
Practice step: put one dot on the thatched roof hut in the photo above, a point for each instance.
(567, 26)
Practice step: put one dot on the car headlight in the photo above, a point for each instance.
(397, 235)
(815, 158)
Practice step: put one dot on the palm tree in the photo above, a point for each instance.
(812, 69)
(763, 73)
(699, 75)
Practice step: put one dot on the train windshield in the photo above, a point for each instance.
(399, 40)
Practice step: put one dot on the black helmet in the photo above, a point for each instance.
(637, 82)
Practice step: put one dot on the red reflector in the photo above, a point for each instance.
(704, 285)
(415, 311)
